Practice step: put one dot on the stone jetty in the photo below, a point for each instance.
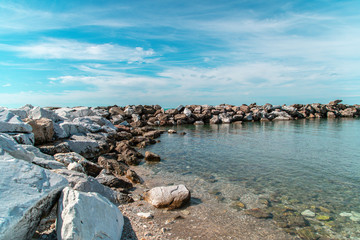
(62, 158)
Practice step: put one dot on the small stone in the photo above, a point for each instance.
(171, 131)
(308, 213)
(186, 212)
(152, 157)
(258, 213)
(240, 204)
(323, 209)
(323, 218)
(163, 230)
(182, 133)
(145, 215)
(355, 216)
(345, 214)
(307, 233)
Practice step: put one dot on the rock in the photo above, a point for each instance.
(308, 213)
(225, 118)
(90, 168)
(8, 145)
(95, 124)
(345, 214)
(335, 102)
(74, 166)
(171, 131)
(307, 233)
(187, 112)
(28, 192)
(198, 123)
(145, 215)
(75, 221)
(215, 120)
(152, 134)
(38, 113)
(151, 157)
(23, 138)
(43, 130)
(133, 176)
(323, 218)
(70, 128)
(87, 147)
(112, 181)
(112, 165)
(83, 183)
(10, 123)
(168, 197)
(258, 213)
(72, 113)
(355, 216)
(41, 159)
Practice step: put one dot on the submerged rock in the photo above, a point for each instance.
(151, 157)
(87, 216)
(168, 197)
(258, 213)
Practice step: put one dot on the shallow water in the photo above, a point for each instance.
(305, 163)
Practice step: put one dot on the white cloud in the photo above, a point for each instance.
(74, 50)
(7, 85)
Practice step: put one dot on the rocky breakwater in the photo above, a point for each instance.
(75, 153)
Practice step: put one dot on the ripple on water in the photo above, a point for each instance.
(306, 164)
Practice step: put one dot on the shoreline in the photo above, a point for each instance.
(109, 138)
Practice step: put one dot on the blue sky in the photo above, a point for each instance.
(96, 53)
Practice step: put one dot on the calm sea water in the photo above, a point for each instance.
(305, 162)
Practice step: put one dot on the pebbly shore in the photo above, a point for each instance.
(60, 159)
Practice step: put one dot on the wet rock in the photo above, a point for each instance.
(168, 197)
(308, 213)
(133, 176)
(28, 192)
(215, 120)
(199, 122)
(171, 131)
(75, 221)
(258, 213)
(152, 157)
(307, 233)
(323, 218)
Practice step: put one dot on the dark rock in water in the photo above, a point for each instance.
(307, 233)
(151, 157)
(182, 133)
(258, 213)
(133, 176)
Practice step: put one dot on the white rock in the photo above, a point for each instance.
(87, 216)
(95, 124)
(72, 113)
(74, 166)
(171, 131)
(169, 196)
(70, 128)
(8, 144)
(345, 214)
(85, 146)
(27, 193)
(67, 158)
(308, 213)
(187, 112)
(38, 112)
(19, 112)
(84, 183)
(23, 138)
(355, 216)
(145, 215)
(9, 122)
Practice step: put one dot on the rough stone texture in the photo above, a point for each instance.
(85, 146)
(151, 157)
(27, 193)
(168, 197)
(70, 128)
(133, 176)
(112, 181)
(43, 130)
(38, 113)
(11, 123)
(90, 168)
(72, 113)
(74, 166)
(112, 165)
(95, 124)
(43, 160)
(23, 138)
(7, 144)
(83, 183)
(75, 221)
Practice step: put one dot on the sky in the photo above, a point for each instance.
(104, 52)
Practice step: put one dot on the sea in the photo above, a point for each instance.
(311, 166)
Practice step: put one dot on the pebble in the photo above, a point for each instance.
(308, 213)
(171, 131)
(345, 214)
(145, 215)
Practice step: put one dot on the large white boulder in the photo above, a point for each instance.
(38, 112)
(168, 197)
(27, 193)
(72, 113)
(23, 138)
(84, 183)
(95, 124)
(70, 128)
(8, 145)
(87, 216)
(10, 122)
(41, 159)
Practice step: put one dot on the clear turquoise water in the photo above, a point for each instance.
(306, 162)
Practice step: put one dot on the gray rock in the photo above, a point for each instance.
(84, 183)
(70, 128)
(38, 112)
(72, 113)
(9, 122)
(27, 193)
(168, 197)
(23, 138)
(187, 112)
(74, 166)
(8, 145)
(95, 124)
(308, 213)
(75, 221)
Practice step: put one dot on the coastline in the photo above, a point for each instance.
(126, 129)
